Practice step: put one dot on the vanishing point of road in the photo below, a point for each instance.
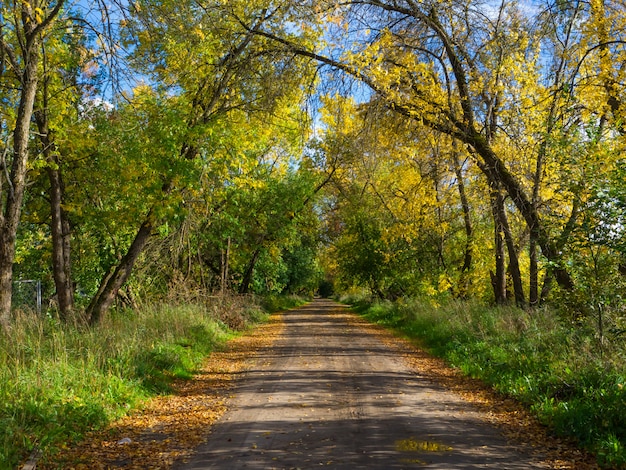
(330, 394)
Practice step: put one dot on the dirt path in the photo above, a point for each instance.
(320, 387)
(329, 393)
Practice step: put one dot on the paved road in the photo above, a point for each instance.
(328, 394)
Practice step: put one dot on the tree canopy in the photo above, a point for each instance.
(411, 148)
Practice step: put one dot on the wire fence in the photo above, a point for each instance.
(27, 295)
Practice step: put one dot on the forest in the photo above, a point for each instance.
(413, 154)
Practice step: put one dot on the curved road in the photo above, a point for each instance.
(328, 394)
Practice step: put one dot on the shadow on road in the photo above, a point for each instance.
(328, 393)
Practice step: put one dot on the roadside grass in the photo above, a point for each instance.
(58, 381)
(275, 303)
(558, 370)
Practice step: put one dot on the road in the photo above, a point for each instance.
(330, 394)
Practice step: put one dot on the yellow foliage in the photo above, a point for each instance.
(444, 284)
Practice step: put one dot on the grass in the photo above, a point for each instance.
(58, 382)
(275, 303)
(556, 369)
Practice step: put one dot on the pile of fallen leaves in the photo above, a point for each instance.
(516, 422)
(170, 427)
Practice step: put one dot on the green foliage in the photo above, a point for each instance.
(59, 381)
(135, 151)
(276, 303)
(368, 255)
(552, 368)
(303, 270)
(326, 288)
(265, 219)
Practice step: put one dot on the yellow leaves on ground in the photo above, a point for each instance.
(414, 445)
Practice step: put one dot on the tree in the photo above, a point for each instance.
(217, 69)
(425, 61)
(56, 110)
(402, 226)
(24, 28)
(138, 158)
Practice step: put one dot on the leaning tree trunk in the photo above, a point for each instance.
(111, 284)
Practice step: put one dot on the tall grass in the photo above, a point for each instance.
(574, 385)
(59, 381)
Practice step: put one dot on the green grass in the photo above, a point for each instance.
(275, 303)
(58, 381)
(558, 370)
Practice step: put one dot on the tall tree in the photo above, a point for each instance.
(441, 64)
(24, 27)
(57, 109)
(217, 68)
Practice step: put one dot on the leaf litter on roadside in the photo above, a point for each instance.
(169, 427)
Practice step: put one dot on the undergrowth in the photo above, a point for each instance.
(59, 381)
(558, 370)
(275, 303)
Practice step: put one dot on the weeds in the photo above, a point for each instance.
(57, 381)
(552, 367)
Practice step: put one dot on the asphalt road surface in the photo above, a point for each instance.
(329, 394)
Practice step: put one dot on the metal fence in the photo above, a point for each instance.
(27, 295)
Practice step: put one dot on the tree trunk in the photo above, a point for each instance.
(9, 220)
(224, 270)
(545, 289)
(498, 279)
(244, 288)
(533, 273)
(514, 270)
(469, 230)
(59, 226)
(110, 285)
